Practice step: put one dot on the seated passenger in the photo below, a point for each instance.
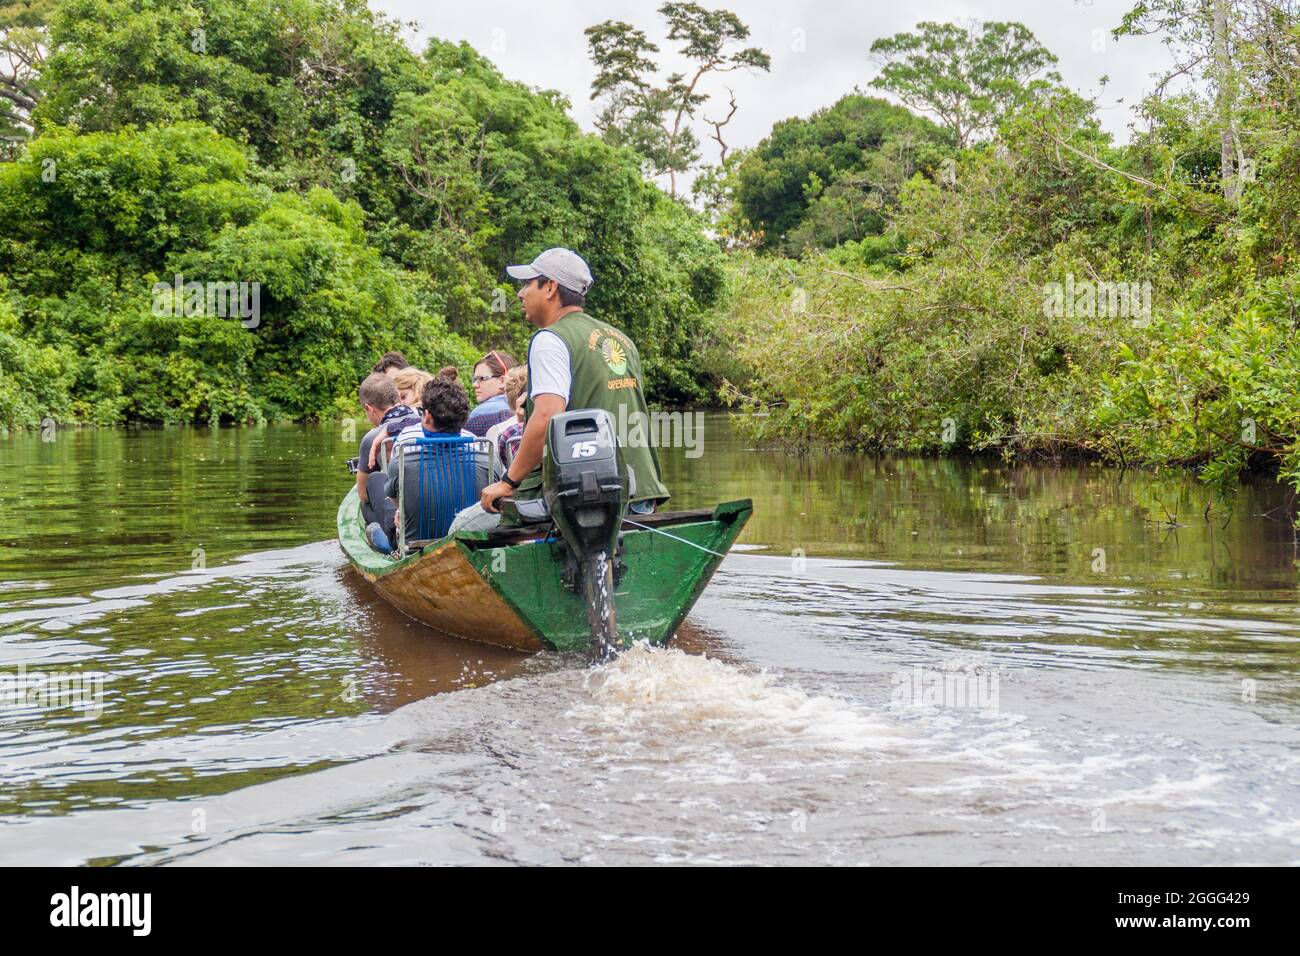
(390, 364)
(409, 381)
(379, 399)
(505, 436)
(436, 480)
(489, 391)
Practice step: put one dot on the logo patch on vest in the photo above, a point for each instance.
(614, 356)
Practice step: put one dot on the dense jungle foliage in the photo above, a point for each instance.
(374, 195)
(981, 268)
(1044, 290)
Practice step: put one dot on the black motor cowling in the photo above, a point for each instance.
(584, 489)
(587, 495)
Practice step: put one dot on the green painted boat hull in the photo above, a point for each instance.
(506, 587)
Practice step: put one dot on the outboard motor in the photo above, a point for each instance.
(587, 497)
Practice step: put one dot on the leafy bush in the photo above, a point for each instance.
(1212, 393)
(94, 220)
(35, 380)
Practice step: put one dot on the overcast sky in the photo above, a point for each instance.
(819, 48)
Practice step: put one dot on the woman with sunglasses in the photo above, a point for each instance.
(489, 392)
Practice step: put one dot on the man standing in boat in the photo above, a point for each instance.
(576, 361)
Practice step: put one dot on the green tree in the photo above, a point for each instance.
(35, 380)
(175, 135)
(633, 110)
(651, 118)
(503, 173)
(1247, 52)
(970, 77)
(309, 85)
(714, 193)
(23, 41)
(456, 169)
(834, 176)
(93, 221)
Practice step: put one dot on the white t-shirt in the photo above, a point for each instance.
(548, 358)
(413, 432)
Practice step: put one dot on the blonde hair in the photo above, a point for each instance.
(411, 380)
(516, 382)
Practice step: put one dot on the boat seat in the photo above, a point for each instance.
(530, 511)
(448, 475)
(536, 510)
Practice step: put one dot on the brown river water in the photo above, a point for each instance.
(905, 661)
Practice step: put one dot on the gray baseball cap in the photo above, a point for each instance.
(563, 265)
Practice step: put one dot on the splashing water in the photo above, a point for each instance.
(654, 690)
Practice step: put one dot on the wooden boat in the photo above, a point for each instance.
(507, 587)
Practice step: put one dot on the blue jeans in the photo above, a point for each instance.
(381, 542)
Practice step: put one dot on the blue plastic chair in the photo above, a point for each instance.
(450, 474)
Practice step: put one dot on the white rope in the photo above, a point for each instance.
(673, 536)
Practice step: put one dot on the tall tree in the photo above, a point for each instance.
(652, 118)
(22, 49)
(633, 110)
(968, 76)
(1225, 99)
(1226, 43)
(833, 175)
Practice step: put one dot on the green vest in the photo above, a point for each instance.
(606, 370)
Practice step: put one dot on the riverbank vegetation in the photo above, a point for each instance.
(982, 268)
(1042, 290)
(371, 196)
